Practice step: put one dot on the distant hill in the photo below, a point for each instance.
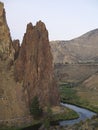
(83, 49)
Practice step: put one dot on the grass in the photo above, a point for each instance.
(68, 94)
(88, 96)
(79, 96)
(68, 114)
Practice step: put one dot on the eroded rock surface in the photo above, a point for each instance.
(34, 66)
(6, 49)
(12, 103)
(16, 46)
(25, 71)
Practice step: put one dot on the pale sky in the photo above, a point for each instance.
(64, 19)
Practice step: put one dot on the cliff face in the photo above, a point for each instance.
(6, 49)
(16, 46)
(34, 66)
(12, 103)
(25, 71)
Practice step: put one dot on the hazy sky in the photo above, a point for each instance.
(64, 19)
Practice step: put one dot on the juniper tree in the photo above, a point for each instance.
(35, 108)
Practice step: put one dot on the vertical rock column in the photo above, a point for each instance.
(12, 103)
(34, 66)
(6, 49)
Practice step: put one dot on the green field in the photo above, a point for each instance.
(80, 96)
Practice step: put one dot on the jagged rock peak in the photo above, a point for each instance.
(29, 27)
(34, 66)
(6, 49)
(1, 8)
(40, 25)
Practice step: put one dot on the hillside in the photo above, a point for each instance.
(75, 73)
(91, 82)
(83, 49)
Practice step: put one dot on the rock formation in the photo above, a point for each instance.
(25, 71)
(6, 49)
(16, 46)
(12, 104)
(34, 66)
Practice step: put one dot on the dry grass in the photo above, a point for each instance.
(90, 95)
(58, 109)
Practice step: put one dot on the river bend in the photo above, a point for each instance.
(82, 112)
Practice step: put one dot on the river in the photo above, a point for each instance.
(83, 115)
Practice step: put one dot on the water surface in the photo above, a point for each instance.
(82, 112)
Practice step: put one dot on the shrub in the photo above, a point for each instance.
(35, 108)
(48, 117)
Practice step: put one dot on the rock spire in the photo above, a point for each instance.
(34, 65)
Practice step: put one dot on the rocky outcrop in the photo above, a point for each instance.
(6, 49)
(34, 66)
(12, 103)
(26, 71)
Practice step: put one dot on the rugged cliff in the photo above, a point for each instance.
(34, 66)
(12, 104)
(26, 71)
(6, 49)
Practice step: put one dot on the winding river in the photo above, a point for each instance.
(83, 115)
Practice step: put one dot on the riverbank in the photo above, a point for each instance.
(65, 112)
(59, 113)
(84, 114)
(78, 96)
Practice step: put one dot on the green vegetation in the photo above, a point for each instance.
(89, 124)
(68, 114)
(35, 108)
(89, 97)
(8, 128)
(48, 117)
(70, 94)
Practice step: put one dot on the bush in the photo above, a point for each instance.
(48, 117)
(35, 108)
